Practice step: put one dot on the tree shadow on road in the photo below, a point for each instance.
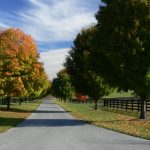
(41, 122)
(51, 123)
(30, 111)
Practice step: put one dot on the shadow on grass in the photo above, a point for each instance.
(121, 112)
(10, 122)
(117, 120)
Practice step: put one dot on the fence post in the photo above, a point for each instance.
(121, 104)
(117, 104)
(107, 104)
(126, 105)
(8, 103)
(104, 102)
(20, 101)
(146, 106)
(132, 105)
(110, 103)
(113, 103)
(138, 105)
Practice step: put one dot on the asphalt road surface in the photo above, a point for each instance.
(51, 128)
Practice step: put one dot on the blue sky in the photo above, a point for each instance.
(52, 23)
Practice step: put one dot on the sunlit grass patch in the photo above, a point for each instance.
(121, 121)
(16, 114)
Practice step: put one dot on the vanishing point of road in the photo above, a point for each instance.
(52, 128)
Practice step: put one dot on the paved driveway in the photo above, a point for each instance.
(51, 128)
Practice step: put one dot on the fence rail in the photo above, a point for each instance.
(3, 100)
(125, 104)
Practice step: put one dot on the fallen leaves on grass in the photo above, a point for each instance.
(124, 123)
(17, 113)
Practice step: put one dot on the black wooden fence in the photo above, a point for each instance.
(3, 100)
(127, 104)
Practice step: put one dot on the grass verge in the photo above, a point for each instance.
(16, 114)
(124, 122)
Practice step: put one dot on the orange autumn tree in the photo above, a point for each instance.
(21, 75)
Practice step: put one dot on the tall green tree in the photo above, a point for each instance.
(55, 88)
(61, 86)
(84, 80)
(121, 46)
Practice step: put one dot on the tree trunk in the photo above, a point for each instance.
(143, 114)
(8, 103)
(26, 100)
(96, 103)
(65, 99)
(20, 100)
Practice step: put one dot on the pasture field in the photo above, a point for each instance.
(117, 120)
(16, 114)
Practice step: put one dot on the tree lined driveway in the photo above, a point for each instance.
(52, 128)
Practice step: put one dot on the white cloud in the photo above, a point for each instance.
(56, 20)
(2, 25)
(52, 21)
(53, 61)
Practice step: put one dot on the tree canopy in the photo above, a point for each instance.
(21, 74)
(61, 86)
(84, 80)
(121, 46)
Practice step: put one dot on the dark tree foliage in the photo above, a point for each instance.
(55, 91)
(84, 80)
(62, 87)
(121, 46)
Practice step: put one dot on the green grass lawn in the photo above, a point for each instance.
(115, 94)
(16, 114)
(124, 122)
